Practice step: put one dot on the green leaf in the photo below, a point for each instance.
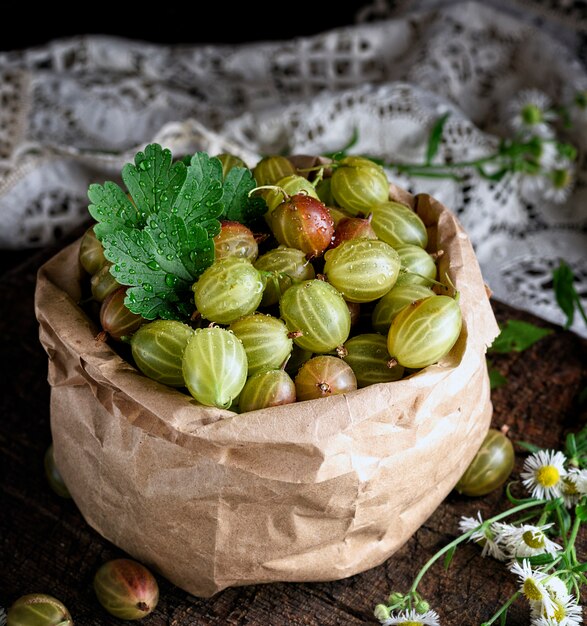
(530, 447)
(581, 512)
(160, 263)
(449, 557)
(190, 246)
(567, 151)
(516, 336)
(160, 248)
(512, 498)
(136, 264)
(566, 521)
(539, 559)
(435, 137)
(200, 198)
(564, 291)
(111, 209)
(496, 379)
(238, 206)
(154, 181)
(495, 176)
(571, 445)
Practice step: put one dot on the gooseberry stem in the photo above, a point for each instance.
(314, 168)
(319, 177)
(404, 270)
(276, 188)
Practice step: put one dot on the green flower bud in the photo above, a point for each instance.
(422, 606)
(396, 598)
(381, 612)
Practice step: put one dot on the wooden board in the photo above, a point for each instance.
(46, 547)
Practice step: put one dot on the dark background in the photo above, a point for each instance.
(190, 22)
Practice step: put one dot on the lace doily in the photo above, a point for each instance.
(74, 111)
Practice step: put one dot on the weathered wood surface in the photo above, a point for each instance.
(47, 547)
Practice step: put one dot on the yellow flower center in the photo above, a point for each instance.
(533, 539)
(569, 487)
(413, 623)
(531, 590)
(531, 114)
(559, 611)
(558, 614)
(548, 476)
(561, 178)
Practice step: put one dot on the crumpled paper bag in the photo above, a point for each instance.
(313, 491)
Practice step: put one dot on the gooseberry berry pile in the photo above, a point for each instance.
(329, 288)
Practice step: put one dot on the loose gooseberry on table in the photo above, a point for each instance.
(491, 466)
(126, 589)
(38, 609)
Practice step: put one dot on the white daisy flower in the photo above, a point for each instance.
(488, 537)
(559, 182)
(413, 618)
(569, 491)
(532, 186)
(543, 472)
(548, 155)
(530, 113)
(579, 478)
(533, 587)
(566, 612)
(556, 587)
(527, 540)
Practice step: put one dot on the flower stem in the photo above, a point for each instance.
(581, 309)
(503, 608)
(559, 518)
(571, 541)
(455, 542)
(418, 171)
(442, 166)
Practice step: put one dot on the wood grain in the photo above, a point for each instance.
(45, 545)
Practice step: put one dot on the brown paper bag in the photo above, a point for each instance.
(317, 490)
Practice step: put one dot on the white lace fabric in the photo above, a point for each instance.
(73, 111)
